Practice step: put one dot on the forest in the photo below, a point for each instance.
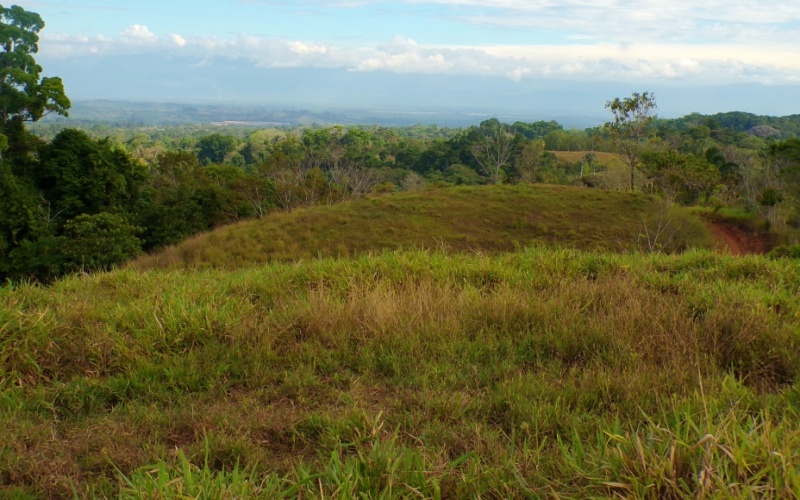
(90, 198)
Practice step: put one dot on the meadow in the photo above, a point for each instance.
(472, 219)
(528, 371)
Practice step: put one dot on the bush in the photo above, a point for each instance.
(785, 252)
(88, 243)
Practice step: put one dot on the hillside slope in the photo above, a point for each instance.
(463, 219)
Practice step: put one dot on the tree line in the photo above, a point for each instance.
(75, 201)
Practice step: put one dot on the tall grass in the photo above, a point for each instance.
(543, 372)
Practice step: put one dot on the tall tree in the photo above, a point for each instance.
(79, 175)
(631, 117)
(492, 146)
(23, 95)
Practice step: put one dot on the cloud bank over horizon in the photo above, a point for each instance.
(679, 43)
(725, 42)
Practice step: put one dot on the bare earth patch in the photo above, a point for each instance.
(735, 241)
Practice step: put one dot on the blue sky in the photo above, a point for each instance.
(682, 44)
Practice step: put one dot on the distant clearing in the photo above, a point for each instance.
(463, 219)
(607, 159)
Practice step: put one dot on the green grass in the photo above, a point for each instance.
(464, 219)
(539, 372)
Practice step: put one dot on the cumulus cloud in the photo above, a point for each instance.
(716, 41)
(304, 48)
(137, 34)
(178, 40)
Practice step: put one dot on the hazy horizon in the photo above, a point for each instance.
(535, 59)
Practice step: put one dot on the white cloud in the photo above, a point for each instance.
(516, 74)
(138, 33)
(178, 40)
(303, 48)
(406, 63)
(714, 42)
(623, 20)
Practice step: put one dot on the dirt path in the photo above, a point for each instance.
(735, 241)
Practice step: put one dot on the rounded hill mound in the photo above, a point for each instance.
(459, 219)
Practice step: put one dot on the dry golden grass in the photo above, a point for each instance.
(465, 219)
(608, 160)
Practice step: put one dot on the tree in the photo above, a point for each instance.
(23, 95)
(215, 147)
(95, 242)
(784, 159)
(631, 118)
(529, 160)
(18, 221)
(536, 130)
(687, 178)
(493, 143)
(79, 175)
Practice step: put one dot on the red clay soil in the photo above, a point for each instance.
(735, 241)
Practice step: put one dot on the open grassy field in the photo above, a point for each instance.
(542, 372)
(611, 171)
(607, 160)
(464, 219)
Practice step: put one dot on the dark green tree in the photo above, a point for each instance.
(215, 147)
(79, 175)
(88, 243)
(19, 219)
(24, 94)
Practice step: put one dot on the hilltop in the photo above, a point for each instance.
(457, 219)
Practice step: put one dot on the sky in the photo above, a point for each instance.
(710, 56)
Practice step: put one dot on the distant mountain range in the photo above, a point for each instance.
(133, 113)
(232, 114)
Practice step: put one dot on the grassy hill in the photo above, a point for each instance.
(458, 343)
(540, 372)
(463, 219)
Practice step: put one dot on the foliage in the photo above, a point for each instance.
(536, 130)
(743, 123)
(684, 177)
(183, 197)
(100, 241)
(23, 95)
(87, 243)
(79, 175)
(785, 156)
(215, 148)
(492, 147)
(632, 115)
(785, 251)
(18, 206)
